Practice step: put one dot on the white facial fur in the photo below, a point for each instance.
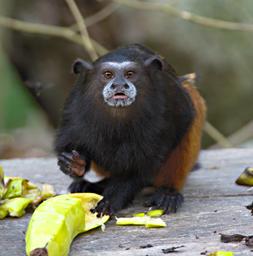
(131, 92)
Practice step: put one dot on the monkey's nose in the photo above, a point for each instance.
(119, 87)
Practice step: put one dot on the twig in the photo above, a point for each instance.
(217, 136)
(185, 15)
(242, 135)
(82, 28)
(47, 30)
(98, 16)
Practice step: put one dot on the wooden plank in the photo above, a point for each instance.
(213, 205)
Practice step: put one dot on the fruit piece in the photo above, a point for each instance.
(155, 223)
(221, 253)
(14, 188)
(138, 221)
(3, 212)
(23, 191)
(15, 207)
(58, 220)
(155, 213)
(139, 214)
(38, 195)
(146, 221)
(246, 178)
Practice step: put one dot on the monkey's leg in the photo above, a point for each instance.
(172, 175)
(81, 185)
(117, 195)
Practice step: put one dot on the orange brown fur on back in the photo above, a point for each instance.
(174, 171)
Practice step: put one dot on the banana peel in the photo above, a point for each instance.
(14, 207)
(17, 193)
(56, 222)
(246, 178)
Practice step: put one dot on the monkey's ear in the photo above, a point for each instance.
(155, 61)
(81, 65)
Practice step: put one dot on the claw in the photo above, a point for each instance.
(167, 199)
(103, 208)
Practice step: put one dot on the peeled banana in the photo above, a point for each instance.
(56, 222)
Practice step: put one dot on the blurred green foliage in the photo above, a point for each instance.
(16, 105)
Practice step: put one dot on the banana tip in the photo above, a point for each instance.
(39, 252)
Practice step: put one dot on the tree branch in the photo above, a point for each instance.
(47, 30)
(188, 16)
(217, 136)
(243, 134)
(98, 16)
(82, 28)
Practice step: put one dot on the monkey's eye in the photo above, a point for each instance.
(129, 74)
(108, 74)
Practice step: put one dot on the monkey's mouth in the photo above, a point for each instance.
(119, 99)
(120, 96)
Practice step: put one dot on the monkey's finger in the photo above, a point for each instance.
(65, 167)
(155, 200)
(63, 160)
(172, 203)
(72, 157)
(103, 208)
(76, 155)
(66, 155)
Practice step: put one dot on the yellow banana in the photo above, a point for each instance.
(56, 222)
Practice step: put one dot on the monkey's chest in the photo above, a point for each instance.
(136, 156)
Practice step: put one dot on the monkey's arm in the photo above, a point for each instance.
(172, 175)
(73, 159)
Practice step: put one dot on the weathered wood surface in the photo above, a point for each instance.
(213, 205)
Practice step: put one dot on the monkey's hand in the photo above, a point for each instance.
(117, 195)
(72, 164)
(167, 199)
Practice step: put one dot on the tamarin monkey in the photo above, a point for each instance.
(134, 123)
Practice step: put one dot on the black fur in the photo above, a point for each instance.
(130, 143)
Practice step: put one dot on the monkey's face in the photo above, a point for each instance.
(115, 81)
(118, 79)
